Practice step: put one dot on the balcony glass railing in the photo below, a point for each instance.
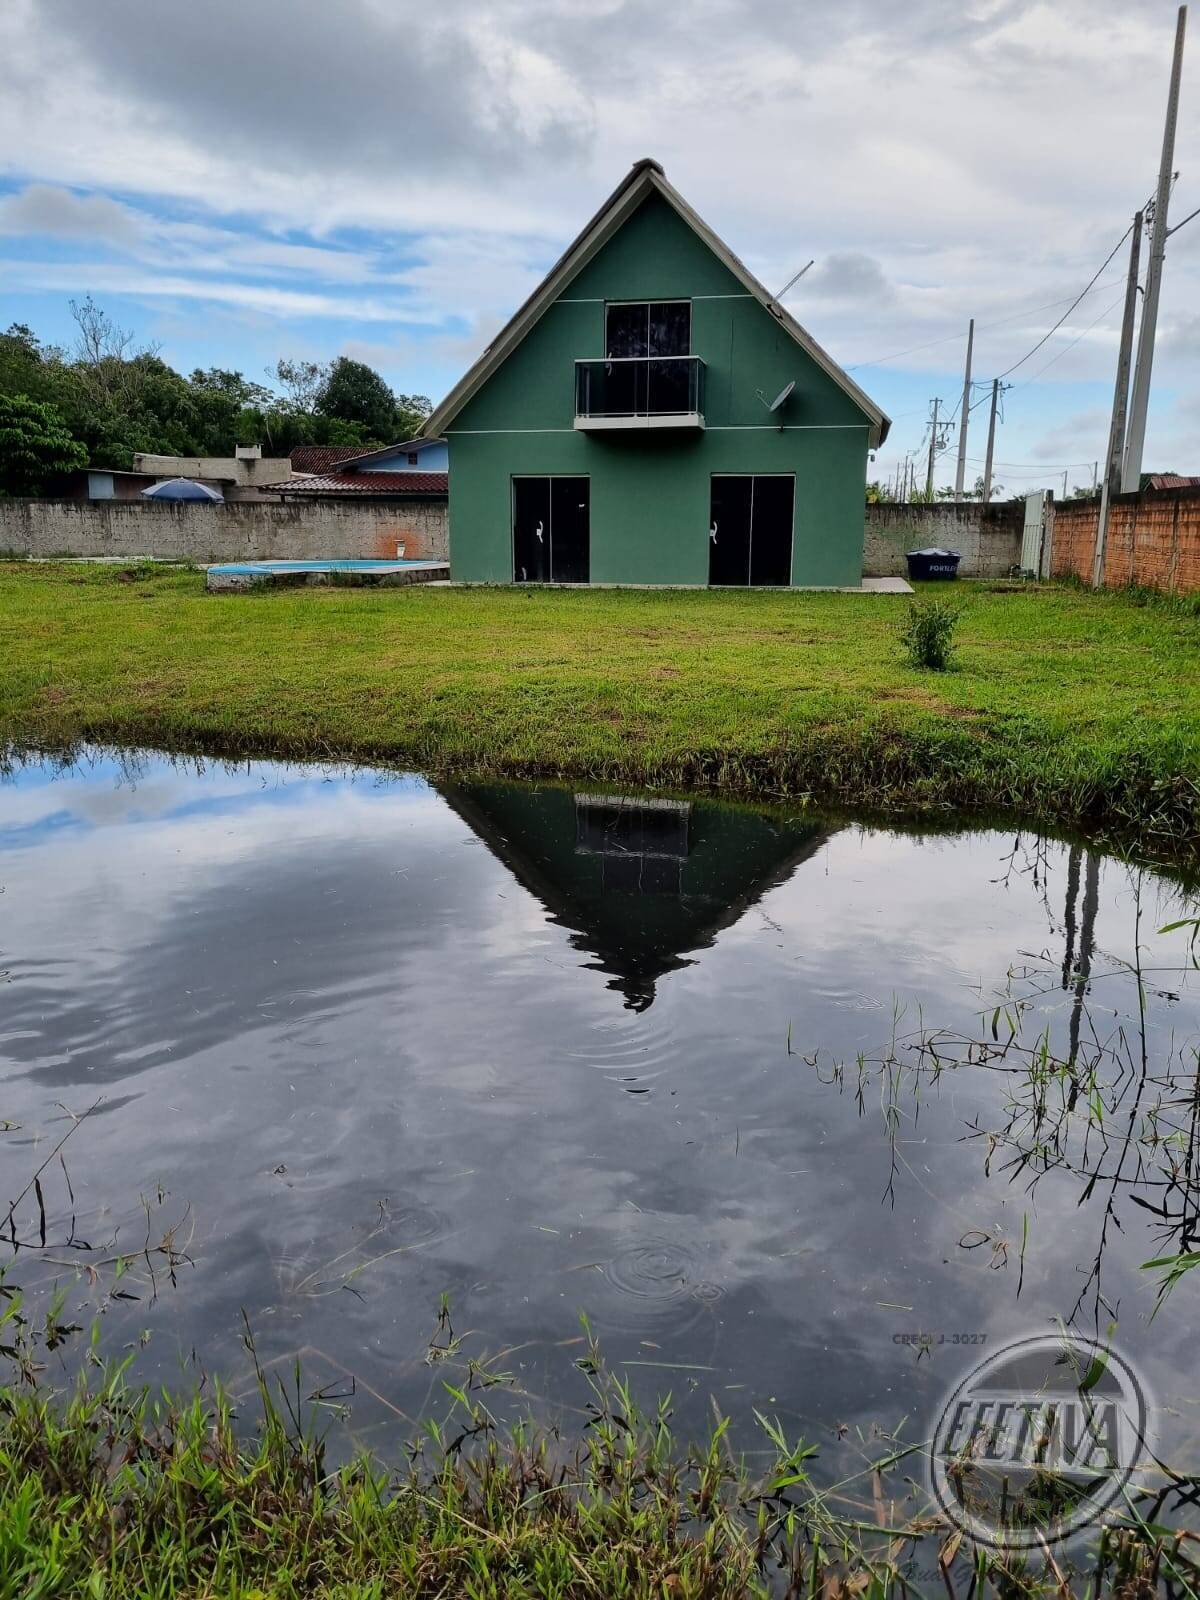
(640, 387)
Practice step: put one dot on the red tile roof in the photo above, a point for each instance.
(1173, 480)
(321, 457)
(367, 483)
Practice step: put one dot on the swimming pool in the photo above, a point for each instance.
(244, 574)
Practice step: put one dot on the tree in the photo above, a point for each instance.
(412, 413)
(301, 382)
(354, 392)
(35, 445)
(118, 397)
(108, 366)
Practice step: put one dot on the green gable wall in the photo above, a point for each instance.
(650, 488)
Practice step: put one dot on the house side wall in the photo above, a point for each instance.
(431, 458)
(650, 489)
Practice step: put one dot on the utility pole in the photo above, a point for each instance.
(932, 451)
(991, 444)
(1116, 432)
(1132, 474)
(965, 417)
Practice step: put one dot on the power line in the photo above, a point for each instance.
(984, 327)
(1070, 308)
(1041, 466)
(1107, 310)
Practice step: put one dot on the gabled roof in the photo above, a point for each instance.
(421, 442)
(1172, 480)
(644, 178)
(427, 485)
(319, 457)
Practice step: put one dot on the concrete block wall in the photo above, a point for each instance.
(989, 537)
(1153, 539)
(235, 531)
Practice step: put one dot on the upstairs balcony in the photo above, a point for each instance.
(638, 392)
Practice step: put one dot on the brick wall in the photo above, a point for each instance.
(1153, 539)
(988, 537)
(236, 531)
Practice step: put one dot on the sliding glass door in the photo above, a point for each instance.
(550, 530)
(750, 529)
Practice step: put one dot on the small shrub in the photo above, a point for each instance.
(927, 633)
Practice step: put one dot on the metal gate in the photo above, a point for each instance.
(1033, 537)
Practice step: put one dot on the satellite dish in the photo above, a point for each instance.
(782, 398)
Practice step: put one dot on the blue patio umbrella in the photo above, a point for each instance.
(181, 489)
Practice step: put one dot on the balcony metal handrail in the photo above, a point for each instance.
(679, 381)
(607, 361)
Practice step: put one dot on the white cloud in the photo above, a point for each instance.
(939, 165)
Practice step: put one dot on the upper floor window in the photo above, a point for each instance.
(648, 328)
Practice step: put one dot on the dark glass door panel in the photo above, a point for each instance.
(569, 555)
(626, 331)
(669, 386)
(531, 530)
(729, 530)
(670, 331)
(623, 393)
(771, 531)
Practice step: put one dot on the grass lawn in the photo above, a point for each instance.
(113, 1493)
(1062, 706)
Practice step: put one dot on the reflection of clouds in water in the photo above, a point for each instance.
(342, 980)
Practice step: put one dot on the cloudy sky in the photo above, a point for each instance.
(239, 181)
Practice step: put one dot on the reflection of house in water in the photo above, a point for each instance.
(640, 883)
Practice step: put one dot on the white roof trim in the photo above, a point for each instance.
(644, 177)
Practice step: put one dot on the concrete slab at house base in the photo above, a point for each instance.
(867, 586)
(252, 574)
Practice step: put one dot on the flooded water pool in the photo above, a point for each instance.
(742, 1086)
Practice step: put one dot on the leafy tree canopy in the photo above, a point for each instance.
(35, 445)
(114, 397)
(354, 392)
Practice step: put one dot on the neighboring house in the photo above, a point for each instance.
(423, 454)
(320, 457)
(414, 468)
(412, 476)
(623, 427)
(101, 483)
(242, 476)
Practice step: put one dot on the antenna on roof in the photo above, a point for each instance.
(792, 281)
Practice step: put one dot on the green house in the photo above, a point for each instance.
(651, 415)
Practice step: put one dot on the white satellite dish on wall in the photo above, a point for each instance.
(782, 398)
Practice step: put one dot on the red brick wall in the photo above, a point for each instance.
(1153, 539)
